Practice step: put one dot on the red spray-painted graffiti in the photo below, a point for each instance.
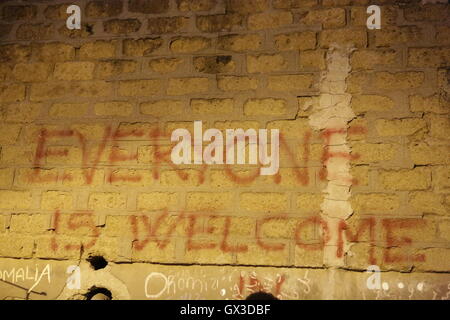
(160, 156)
(162, 231)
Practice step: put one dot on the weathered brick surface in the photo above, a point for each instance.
(86, 118)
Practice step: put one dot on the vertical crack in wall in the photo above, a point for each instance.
(331, 116)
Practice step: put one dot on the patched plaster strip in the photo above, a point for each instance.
(332, 114)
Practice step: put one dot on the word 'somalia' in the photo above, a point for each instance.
(235, 147)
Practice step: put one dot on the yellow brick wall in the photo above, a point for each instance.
(86, 117)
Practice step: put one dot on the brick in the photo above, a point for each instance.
(399, 127)
(269, 20)
(15, 199)
(21, 112)
(106, 69)
(14, 13)
(356, 37)
(399, 80)
(72, 71)
(389, 36)
(208, 255)
(55, 90)
(121, 26)
(12, 93)
(233, 83)
(18, 155)
(249, 6)
(436, 260)
(68, 110)
(87, 30)
(414, 179)
(292, 4)
(444, 230)
(360, 175)
(56, 200)
(176, 178)
(369, 59)
(29, 224)
(328, 18)
(141, 47)
(16, 245)
(79, 177)
(38, 31)
(264, 202)
(442, 34)
(98, 50)
(266, 63)
(164, 65)
(139, 130)
(422, 153)
(281, 228)
(429, 57)
(356, 81)
(56, 12)
(427, 202)
(315, 59)
(162, 108)
(189, 45)
(268, 106)
(58, 155)
(57, 52)
(105, 200)
(133, 88)
(441, 178)
(15, 53)
(114, 108)
(219, 22)
(367, 103)
(214, 201)
(439, 126)
(435, 12)
(373, 152)
(148, 6)
(104, 9)
(154, 253)
(116, 224)
(5, 71)
(308, 203)
(296, 41)
(375, 203)
(196, 5)
(239, 43)
(36, 177)
(434, 103)
(5, 30)
(46, 249)
(183, 86)
(128, 177)
(222, 179)
(255, 255)
(9, 133)
(291, 82)
(358, 16)
(167, 24)
(30, 72)
(6, 177)
(214, 64)
(237, 226)
(308, 258)
(157, 201)
(291, 128)
(212, 106)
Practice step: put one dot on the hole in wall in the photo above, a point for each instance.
(97, 262)
(96, 293)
